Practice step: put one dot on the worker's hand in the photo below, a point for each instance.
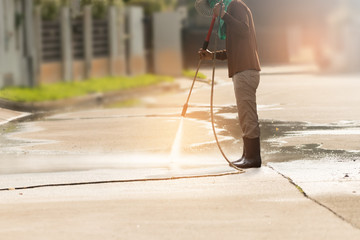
(205, 54)
(216, 10)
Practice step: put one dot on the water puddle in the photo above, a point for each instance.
(7, 143)
(275, 138)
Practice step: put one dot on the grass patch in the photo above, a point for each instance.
(63, 90)
(191, 74)
(300, 189)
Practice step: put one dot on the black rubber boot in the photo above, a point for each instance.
(252, 154)
(242, 157)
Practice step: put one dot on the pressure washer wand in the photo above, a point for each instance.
(185, 107)
(204, 47)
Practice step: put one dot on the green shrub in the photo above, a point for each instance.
(63, 90)
(151, 6)
(49, 9)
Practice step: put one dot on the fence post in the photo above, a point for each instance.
(117, 66)
(136, 48)
(167, 43)
(121, 54)
(29, 56)
(2, 43)
(11, 64)
(88, 41)
(113, 43)
(38, 42)
(66, 44)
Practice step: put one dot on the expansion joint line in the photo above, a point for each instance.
(118, 181)
(313, 199)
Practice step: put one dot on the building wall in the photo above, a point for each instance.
(19, 56)
(50, 72)
(97, 47)
(100, 67)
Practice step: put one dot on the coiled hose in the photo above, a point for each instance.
(212, 94)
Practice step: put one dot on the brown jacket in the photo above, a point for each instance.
(241, 47)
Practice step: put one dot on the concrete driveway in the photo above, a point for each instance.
(98, 172)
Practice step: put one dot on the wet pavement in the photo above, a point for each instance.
(309, 128)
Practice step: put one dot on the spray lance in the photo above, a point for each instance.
(203, 8)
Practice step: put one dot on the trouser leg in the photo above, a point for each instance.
(248, 119)
(245, 86)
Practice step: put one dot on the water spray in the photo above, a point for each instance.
(204, 9)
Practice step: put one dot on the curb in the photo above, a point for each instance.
(23, 116)
(88, 100)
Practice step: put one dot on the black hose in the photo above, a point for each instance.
(212, 98)
(183, 114)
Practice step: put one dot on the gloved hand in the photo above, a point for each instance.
(216, 10)
(205, 54)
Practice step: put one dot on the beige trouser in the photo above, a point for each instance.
(245, 85)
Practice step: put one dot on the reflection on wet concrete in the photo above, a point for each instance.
(199, 155)
(7, 143)
(274, 134)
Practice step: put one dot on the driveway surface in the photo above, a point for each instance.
(142, 172)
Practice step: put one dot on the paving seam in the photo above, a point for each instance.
(313, 199)
(121, 181)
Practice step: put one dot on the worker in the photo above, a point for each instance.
(241, 52)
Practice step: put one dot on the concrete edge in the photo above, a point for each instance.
(20, 117)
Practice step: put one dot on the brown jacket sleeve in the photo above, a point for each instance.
(237, 19)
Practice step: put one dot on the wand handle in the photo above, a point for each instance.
(207, 39)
